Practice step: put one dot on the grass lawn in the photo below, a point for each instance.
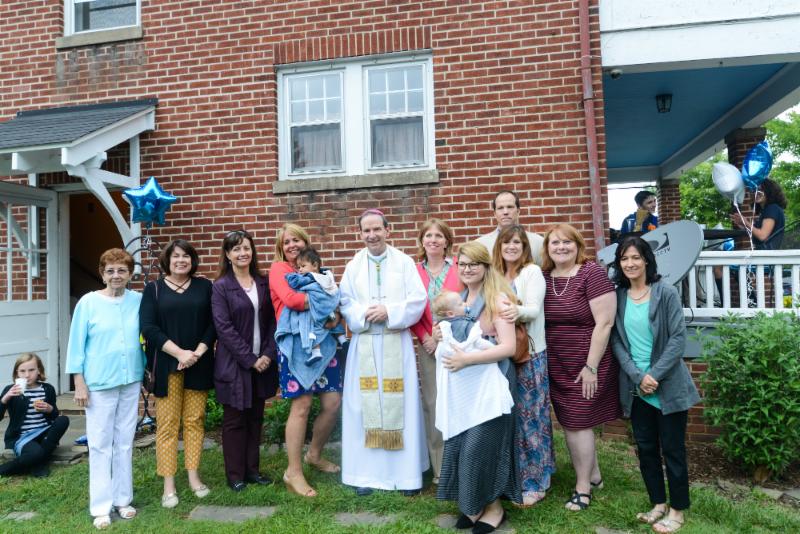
(61, 502)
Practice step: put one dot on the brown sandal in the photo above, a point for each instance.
(298, 488)
(322, 465)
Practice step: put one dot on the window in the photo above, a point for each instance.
(352, 118)
(92, 15)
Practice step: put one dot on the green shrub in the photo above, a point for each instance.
(276, 415)
(213, 411)
(752, 389)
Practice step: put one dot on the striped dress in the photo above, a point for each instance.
(568, 329)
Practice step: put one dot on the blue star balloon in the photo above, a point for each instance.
(149, 202)
(757, 164)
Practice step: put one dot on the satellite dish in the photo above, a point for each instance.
(676, 247)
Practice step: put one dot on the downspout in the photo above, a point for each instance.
(595, 190)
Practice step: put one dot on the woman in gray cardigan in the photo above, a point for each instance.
(656, 389)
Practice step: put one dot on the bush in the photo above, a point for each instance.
(752, 390)
(213, 411)
(276, 415)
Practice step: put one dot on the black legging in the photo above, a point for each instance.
(36, 452)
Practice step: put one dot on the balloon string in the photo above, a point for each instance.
(748, 257)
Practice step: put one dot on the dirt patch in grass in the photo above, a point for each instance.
(707, 463)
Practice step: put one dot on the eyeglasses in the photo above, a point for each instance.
(469, 266)
(236, 232)
(112, 272)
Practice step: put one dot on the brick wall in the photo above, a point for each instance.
(669, 202)
(507, 100)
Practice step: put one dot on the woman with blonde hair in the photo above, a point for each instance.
(438, 273)
(512, 256)
(291, 239)
(479, 467)
(579, 306)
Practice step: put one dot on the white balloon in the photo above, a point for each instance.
(728, 181)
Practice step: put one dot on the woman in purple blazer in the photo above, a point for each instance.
(245, 369)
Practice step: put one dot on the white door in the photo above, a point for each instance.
(28, 278)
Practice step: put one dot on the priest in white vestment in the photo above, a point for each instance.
(383, 431)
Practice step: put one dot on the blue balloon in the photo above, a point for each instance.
(149, 202)
(757, 164)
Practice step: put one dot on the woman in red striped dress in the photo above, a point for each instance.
(579, 308)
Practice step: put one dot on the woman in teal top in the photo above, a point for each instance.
(107, 363)
(656, 389)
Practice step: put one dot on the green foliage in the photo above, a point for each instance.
(784, 135)
(213, 411)
(276, 415)
(700, 200)
(752, 388)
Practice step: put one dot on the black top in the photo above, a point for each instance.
(17, 407)
(185, 319)
(775, 239)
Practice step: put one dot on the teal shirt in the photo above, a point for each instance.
(637, 328)
(104, 341)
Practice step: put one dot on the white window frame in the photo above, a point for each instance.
(355, 121)
(69, 22)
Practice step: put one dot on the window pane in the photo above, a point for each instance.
(415, 102)
(298, 112)
(377, 81)
(316, 110)
(315, 87)
(396, 79)
(398, 142)
(377, 104)
(332, 85)
(298, 89)
(334, 109)
(101, 14)
(397, 102)
(316, 148)
(414, 77)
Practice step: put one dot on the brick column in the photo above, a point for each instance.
(669, 201)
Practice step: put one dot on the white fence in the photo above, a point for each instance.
(760, 274)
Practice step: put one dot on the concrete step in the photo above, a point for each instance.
(67, 406)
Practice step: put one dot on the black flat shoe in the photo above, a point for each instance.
(464, 522)
(485, 528)
(237, 485)
(259, 479)
(363, 492)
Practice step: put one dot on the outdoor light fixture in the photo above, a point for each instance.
(664, 103)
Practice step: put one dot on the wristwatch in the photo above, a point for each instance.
(593, 370)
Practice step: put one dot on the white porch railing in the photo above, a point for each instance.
(755, 268)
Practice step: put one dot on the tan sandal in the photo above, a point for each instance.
(667, 526)
(298, 488)
(651, 517)
(322, 465)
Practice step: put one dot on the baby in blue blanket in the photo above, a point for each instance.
(310, 263)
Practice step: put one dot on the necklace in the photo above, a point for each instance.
(565, 286)
(640, 297)
(179, 288)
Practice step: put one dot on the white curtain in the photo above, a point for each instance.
(316, 148)
(398, 142)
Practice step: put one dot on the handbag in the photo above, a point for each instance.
(524, 344)
(149, 379)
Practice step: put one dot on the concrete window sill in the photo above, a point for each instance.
(99, 37)
(363, 181)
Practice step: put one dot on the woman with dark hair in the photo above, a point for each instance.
(768, 227)
(175, 318)
(245, 370)
(437, 270)
(513, 257)
(579, 306)
(656, 389)
(106, 361)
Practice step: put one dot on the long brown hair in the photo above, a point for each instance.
(506, 235)
(570, 233)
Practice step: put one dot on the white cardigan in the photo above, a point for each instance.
(530, 286)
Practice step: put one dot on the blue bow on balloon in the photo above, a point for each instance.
(757, 164)
(149, 202)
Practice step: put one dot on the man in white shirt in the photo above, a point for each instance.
(383, 431)
(506, 210)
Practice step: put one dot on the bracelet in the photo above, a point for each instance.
(593, 370)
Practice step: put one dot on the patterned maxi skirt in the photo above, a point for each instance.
(534, 434)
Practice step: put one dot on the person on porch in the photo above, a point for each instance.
(644, 218)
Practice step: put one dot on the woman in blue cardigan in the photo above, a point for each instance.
(656, 389)
(245, 367)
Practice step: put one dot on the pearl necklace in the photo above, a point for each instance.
(640, 297)
(553, 279)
